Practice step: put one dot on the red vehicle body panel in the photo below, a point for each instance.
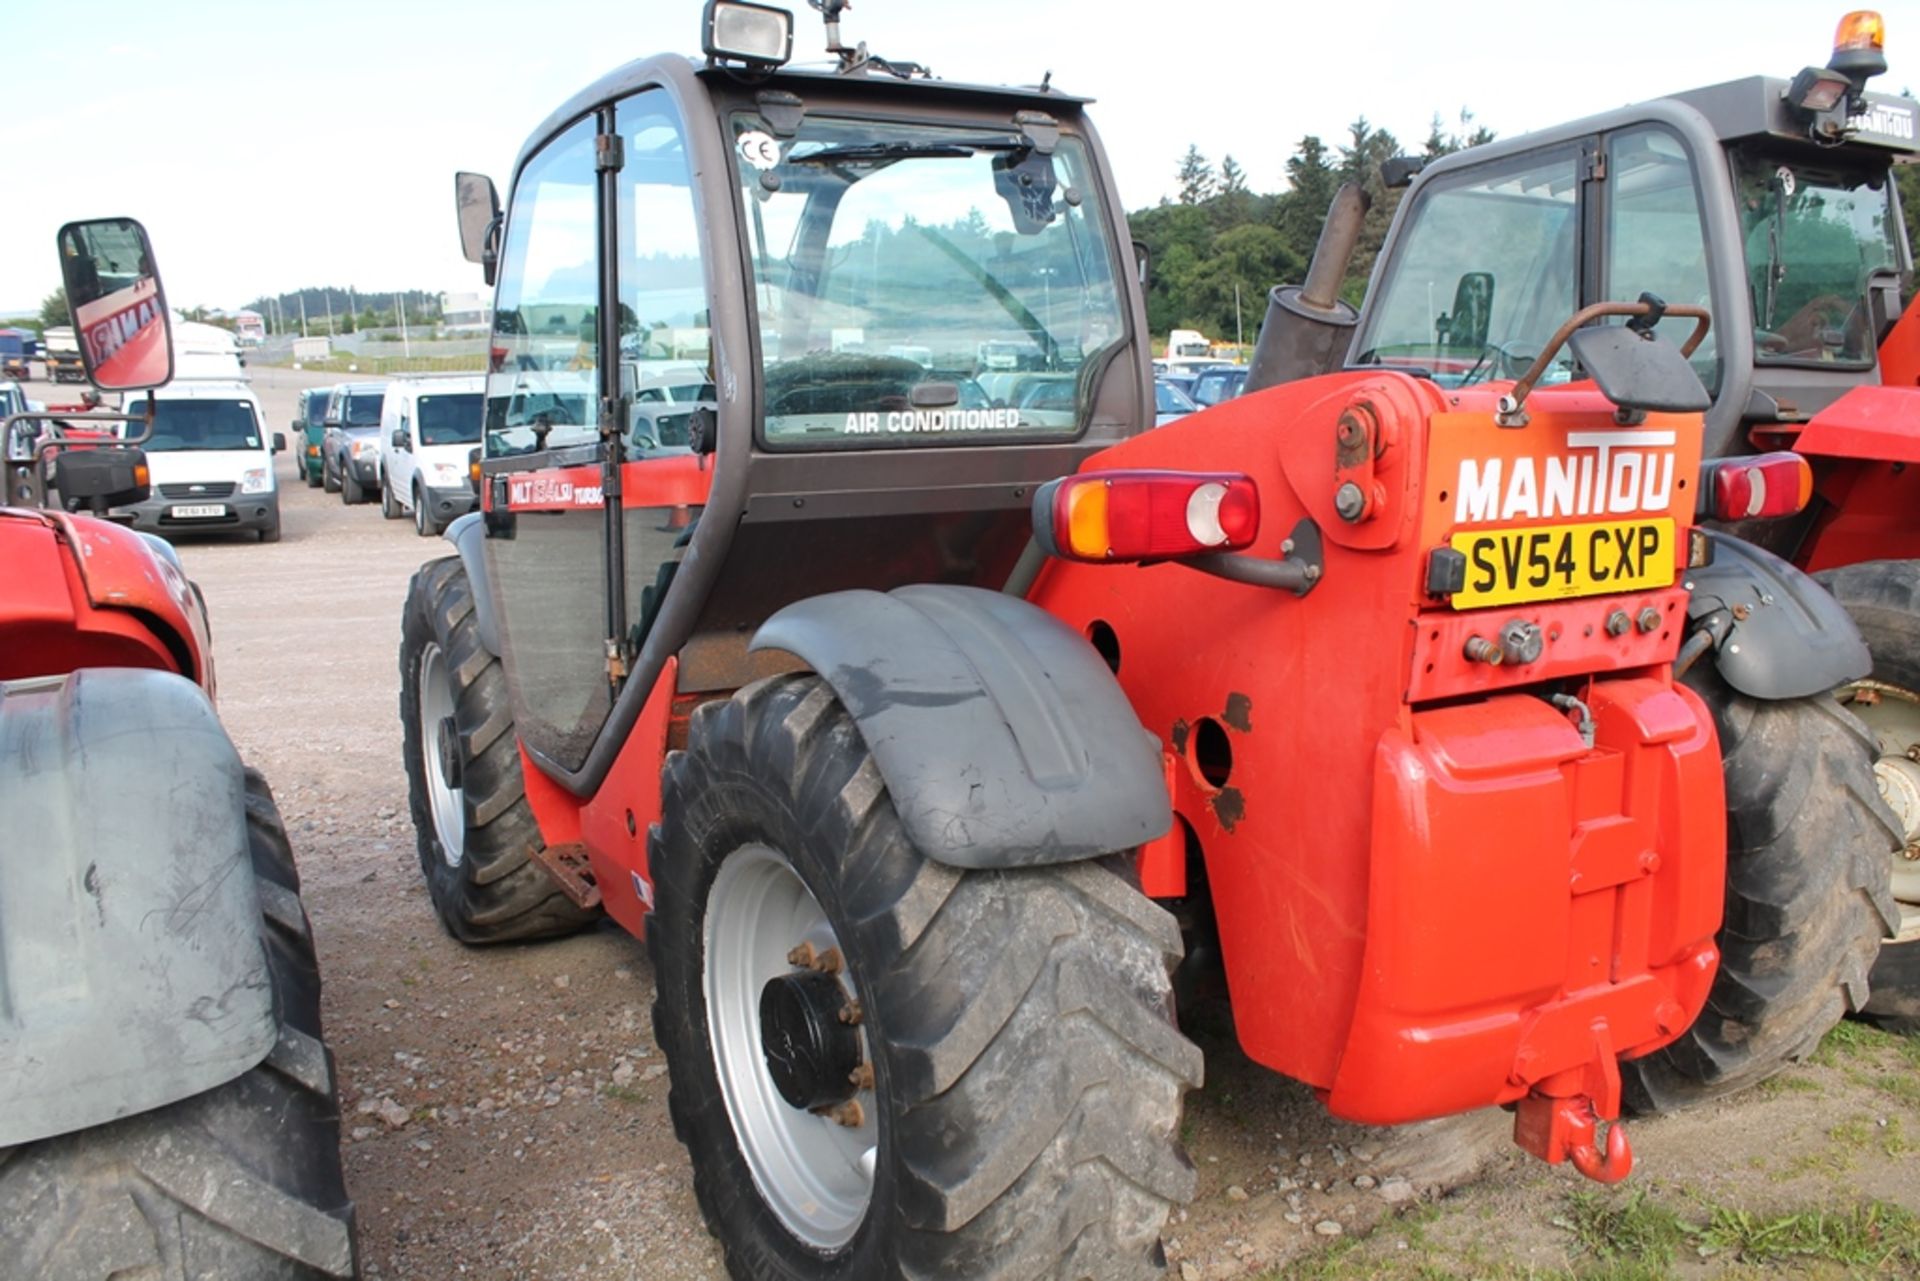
(1431, 894)
(89, 593)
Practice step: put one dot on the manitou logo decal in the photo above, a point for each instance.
(1606, 473)
(1888, 121)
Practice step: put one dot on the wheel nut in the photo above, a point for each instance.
(849, 1114)
(828, 962)
(1649, 619)
(851, 1014)
(861, 1078)
(1618, 624)
(802, 955)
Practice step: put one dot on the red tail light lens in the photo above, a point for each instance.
(1146, 515)
(1757, 488)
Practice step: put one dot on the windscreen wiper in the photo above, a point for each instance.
(881, 151)
(902, 151)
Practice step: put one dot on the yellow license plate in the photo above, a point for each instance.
(1559, 562)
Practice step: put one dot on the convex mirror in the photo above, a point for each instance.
(119, 310)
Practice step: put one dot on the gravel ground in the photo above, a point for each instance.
(506, 1108)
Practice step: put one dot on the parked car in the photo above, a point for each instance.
(1211, 386)
(350, 447)
(1169, 402)
(428, 427)
(309, 427)
(211, 461)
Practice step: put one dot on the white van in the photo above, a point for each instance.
(429, 426)
(211, 460)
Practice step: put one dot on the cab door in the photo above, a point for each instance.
(546, 549)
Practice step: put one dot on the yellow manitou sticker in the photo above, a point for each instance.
(1559, 562)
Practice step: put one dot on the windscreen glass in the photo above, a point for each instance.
(1483, 273)
(364, 411)
(202, 424)
(450, 420)
(316, 407)
(916, 284)
(1813, 235)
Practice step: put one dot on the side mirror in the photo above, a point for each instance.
(399, 438)
(119, 309)
(478, 205)
(279, 441)
(98, 479)
(1140, 261)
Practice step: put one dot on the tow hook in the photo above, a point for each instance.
(1561, 1129)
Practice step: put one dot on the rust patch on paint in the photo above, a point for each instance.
(1239, 713)
(1179, 737)
(1228, 806)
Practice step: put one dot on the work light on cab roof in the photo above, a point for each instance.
(758, 35)
(1830, 96)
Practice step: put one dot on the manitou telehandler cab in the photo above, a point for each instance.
(911, 722)
(1771, 204)
(167, 1104)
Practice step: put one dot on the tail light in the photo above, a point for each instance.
(1145, 515)
(1758, 488)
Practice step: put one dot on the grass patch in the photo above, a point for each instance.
(377, 365)
(1638, 1229)
(1787, 1083)
(1851, 1040)
(1876, 1236)
(623, 1094)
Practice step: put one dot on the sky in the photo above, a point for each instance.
(273, 146)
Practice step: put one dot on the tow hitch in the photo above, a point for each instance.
(1561, 1119)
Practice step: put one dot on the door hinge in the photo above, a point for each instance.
(608, 153)
(1593, 163)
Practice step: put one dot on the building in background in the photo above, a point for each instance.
(466, 315)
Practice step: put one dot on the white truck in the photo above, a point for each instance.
(63, 356)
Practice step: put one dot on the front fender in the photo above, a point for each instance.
(468, 534)
(1776, 633)
(131, 967)
(1003, 738)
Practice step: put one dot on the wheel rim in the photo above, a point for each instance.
(1892, 715)
(419, 513)
(815, 1173)
(447, 802)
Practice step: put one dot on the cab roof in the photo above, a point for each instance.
(642, 72)
(1757, 107)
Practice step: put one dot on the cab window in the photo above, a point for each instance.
(1656, 241)
(1484, 272)
(1813, 235)
(542, 388)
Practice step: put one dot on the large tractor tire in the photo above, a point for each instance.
(885, 1067)
(1883, 596)
(243, 1180)
(476, 831)
(1806, 904)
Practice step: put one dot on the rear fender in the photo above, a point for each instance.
(131, 968)
(468, 534)
(1774, 632)
(1003, 738)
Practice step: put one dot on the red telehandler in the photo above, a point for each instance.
(167, 1102)
(909, 721)
(1771, 202)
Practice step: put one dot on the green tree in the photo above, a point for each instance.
(1197, 183)
(1311, 182)
(53, 309)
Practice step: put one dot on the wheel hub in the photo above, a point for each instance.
(448, 749)
(811, 1053)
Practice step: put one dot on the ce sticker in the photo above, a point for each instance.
(759, 149)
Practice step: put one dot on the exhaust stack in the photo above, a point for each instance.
(1307, 326)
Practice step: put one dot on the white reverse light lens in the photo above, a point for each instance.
(1203, 514)
(748, 32)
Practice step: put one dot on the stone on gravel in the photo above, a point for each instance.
(1395, 1191)
(1328, 1228)
(1236, 1193)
